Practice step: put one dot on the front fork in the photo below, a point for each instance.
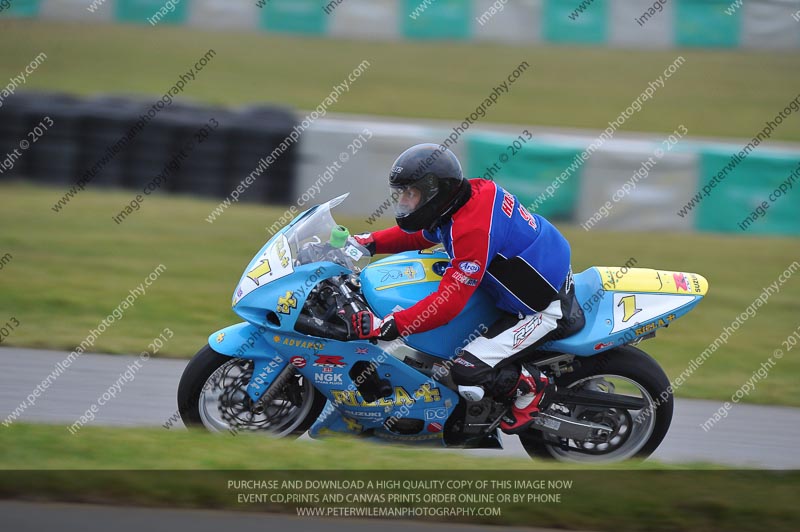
(265, 392)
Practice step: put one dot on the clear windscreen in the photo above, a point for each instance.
(314, 237)
(317, 237)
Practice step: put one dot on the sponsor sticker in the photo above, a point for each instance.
(353, 252)
(527, 216)
(220, 337)
(352, 424)
(286, 303)
(653, 325)
(400, 397)
(328, 378)
(292, 342)
(330, 361)
(273, 263)
(681, 282)
(463, 279)
(469, 267)
(632, 310)
(508, 204)
(435, 413)
(360, 413)
(298, 361)
(696, 284)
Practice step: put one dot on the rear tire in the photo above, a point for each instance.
(627, 362)
(206, 363)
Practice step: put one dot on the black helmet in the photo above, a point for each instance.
(435, 173)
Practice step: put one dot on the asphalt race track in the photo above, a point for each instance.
(35, 517)
(751, 436)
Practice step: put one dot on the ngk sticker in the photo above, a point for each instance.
(328, 378)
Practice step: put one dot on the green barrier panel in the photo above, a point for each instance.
(527, 172)
(564, 23)
(705, 23)
(152, 12)
(738, 195)
(436, 19)
(296, 16)
(19, 8)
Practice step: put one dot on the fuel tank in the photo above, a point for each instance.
(400, 281)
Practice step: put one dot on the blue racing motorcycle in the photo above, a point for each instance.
(291, 366)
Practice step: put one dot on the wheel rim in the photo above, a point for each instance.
(628, 436)
(224, 404)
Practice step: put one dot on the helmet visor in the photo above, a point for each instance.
(408, 199)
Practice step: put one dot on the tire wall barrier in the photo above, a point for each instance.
(215, 162)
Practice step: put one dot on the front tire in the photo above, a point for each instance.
(637, 433)
(213, 394)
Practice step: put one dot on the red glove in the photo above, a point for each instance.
(366, 240)
(368, 326)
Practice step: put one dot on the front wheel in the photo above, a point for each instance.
(213, 394)
(635, 433)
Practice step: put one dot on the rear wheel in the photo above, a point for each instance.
(213, 394)
(635, 433)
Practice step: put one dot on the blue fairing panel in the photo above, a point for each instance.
(400, 281)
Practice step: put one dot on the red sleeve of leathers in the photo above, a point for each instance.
(460, 280)
(395, 240)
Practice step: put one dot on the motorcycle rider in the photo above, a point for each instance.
(520, 258)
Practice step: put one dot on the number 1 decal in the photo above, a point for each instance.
(259, 271)
(629, 307)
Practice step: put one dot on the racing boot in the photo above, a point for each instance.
(529, 397)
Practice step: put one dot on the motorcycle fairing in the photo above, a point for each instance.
(622, 305)
(648, 280)
(285, 296)
(275, 248)
(331, 421)
(414, 395)
(327, 363)
(245, 340)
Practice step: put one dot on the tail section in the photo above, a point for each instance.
(624, 305)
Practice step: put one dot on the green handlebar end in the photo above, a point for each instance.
(339, 236)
